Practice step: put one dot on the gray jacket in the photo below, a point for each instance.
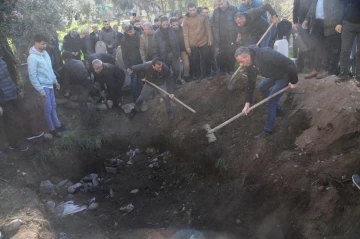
(108, 36)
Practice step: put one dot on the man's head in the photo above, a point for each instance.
(243, 56)
(40, 42)
(222, 4)
(164, 22)
(240, 19)
(86, 32)
(66, 55)
(157, 22)
(116, 27)
(74, 34)
(148, 28)
(132, 18)
(95, 27)
(192, 9)
(174, 23)
(137, 23)
(129, 30)
(246, 2)
(97, 65)
(106, 24)
(205, 11)
(156, 64)
(180, 19)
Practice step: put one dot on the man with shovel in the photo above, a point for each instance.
(158, 73)
(279, 72)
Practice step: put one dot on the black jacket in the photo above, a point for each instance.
(180, 38)
(157, 78)
(130, 48)
(8, 89)
(333, 15)
(300, 10)
(72, 44)
(111, 77)
(352, 11)
(284, 28)
(161, 43)
(88, 45)
(270, 64)
(229, 26)
(256, 25)
(74, 72)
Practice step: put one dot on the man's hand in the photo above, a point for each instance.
(109, 103)
(296, 26)
(43, 94)
(1, 111)
(57, 85)
(217, 50)
(292, 86)
(274, 19)
(338, 28)
(188, 50)
(143, 79)
(110, 46)
(246, 109)
(305, 24)
(171, 96)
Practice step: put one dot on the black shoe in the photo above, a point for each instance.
(177, 86)
(35, 136)
(63, 128)
(54, 133)
(279, 112)
(132, 113)
(187, 78)
(262, 135)
(210, 78)
(170, 115)
(342, 77)
(19, 147)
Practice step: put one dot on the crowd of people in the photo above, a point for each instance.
(193, 47)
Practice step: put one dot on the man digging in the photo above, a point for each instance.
(279, 72)
(159, 74)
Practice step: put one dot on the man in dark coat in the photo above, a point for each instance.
(77, 81)
(88, 43)
(324, 19)
(279, 72)
(72, 44)
(255, 25)
(284, 28)
(104, 57)
(130, 48)
(168, 48)
(225, 33)
(111, 79)
(109, 36)
(159, 74)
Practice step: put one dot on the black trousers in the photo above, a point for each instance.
(350, 32)
(11, 121)
(200, 61)
(226, 58)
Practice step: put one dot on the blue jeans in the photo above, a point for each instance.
(51, 117)
(269, 87)
(135, 85)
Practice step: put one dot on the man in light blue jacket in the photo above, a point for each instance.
(43, 79)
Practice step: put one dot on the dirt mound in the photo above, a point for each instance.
(292, 184)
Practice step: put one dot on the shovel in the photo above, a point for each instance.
(242, 68)
(176, 99)
(210, 132)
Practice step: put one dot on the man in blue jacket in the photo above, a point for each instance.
(279, 72)
(43, 79)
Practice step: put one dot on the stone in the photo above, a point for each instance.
(128, 107)
(50, 206)
(48, 136)
(55, 180)
(156, 165)
(128, 208)
(63, 235)
(46, 187)
(75, 187)
(12, 227)
(151, 152)
(63, 183)
(93, 206)
(134, 191)
(321, 188)
(111, 170)
(101, 107)
(155, 160)
(137, 151)
(151, 165)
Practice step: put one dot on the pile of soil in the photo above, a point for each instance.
(295, 183)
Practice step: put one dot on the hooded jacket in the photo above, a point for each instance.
(333, 15)
(40, 70)
(197, 31)
(229, 26)
(8, 89)
(256, 25)
(270, 64)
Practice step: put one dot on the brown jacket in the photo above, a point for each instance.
(197, 31)
(147, 52)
